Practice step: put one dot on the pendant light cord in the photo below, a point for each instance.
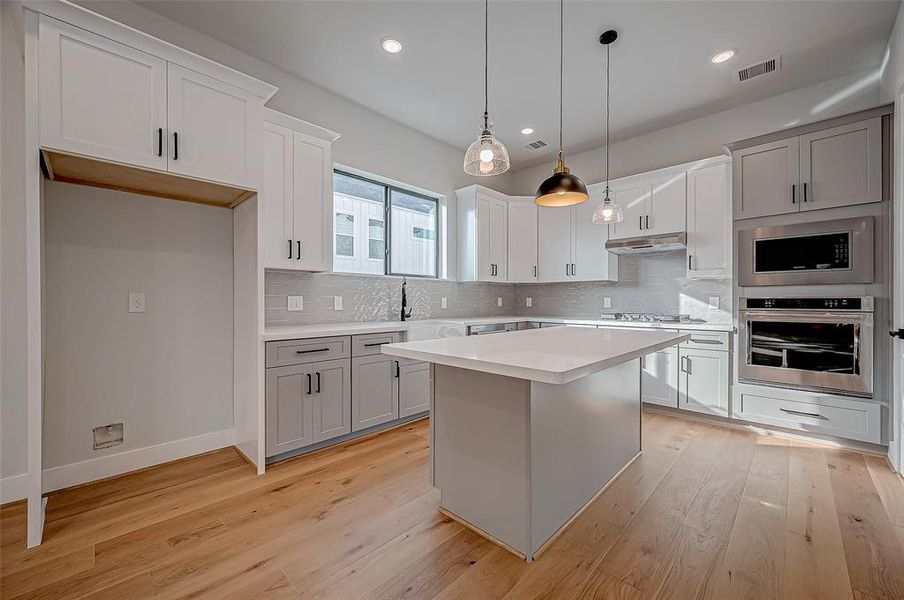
(486, 64)
(561, 67)
(607, 121)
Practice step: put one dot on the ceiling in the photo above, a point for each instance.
(661, 73)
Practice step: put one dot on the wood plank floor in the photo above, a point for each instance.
(705, 512)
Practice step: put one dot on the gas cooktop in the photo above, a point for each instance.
(650, 318)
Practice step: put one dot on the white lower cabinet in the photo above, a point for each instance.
(659, 377)
(703, 378)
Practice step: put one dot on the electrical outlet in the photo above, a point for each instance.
(136, 302)
(337, 302)
(107, 436)
(607, 302)
(295, 303)
(528, 301)
(714, 302)
(443, 303)
(499, 301)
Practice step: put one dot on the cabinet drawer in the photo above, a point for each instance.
(706, 340)
(840, 417)
(296, 352)
(366, 345)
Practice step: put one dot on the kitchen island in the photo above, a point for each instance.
(527, 427)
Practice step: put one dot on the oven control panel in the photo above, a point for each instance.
(806, 303)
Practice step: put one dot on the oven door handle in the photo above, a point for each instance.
(852, 318)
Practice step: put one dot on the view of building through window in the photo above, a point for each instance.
(364, 242)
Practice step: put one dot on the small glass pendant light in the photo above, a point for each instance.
(563, 188)
(487, 155)
(608, 211)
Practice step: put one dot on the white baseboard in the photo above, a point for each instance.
(57, 478)
(14, 487)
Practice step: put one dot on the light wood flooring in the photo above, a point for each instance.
(705, 512)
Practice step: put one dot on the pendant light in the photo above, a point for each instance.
(563, 188)
(487, 155)
(608, 211)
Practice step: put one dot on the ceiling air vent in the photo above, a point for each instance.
(536, 145)
(769, 65)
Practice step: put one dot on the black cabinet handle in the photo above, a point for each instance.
(175, 145)
(805, 191)
(290, 248)
(640, 222)
(535, 270)
(793, 193)
(689, 268)
(574, 270)
(160, 141)
(372, 344)
(318, 382)
(897, 333)
(299, 250)
(647, 222)
(802, 414)
(309, 351)
(397, 369)
(309, 384)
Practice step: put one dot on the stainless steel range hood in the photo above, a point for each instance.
(663, 242)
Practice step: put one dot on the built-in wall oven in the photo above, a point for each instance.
(823, 344)
(825, 252)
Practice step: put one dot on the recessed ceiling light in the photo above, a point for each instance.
(391, 45)
(527, 131)
(721, 57)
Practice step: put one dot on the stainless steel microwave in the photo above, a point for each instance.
(825, 252)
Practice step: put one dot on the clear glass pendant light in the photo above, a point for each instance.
(608, 211)
(487, 155)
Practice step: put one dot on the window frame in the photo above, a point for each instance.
(388, 188)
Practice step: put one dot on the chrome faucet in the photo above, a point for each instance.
(406, 314)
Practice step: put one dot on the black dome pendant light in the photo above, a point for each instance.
(563, 188)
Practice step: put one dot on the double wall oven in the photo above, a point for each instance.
(823, 344)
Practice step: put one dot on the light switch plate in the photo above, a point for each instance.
(337, 302)
(714, 302)
(499, 301)
(528, 301)
(607, 302)
(136, 302)
(443, 303)
(295, 303)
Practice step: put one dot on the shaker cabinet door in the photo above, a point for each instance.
(765, 179)
(554, 243)
(101, 98)
(841, 166)
(633, 198)
(703, 381)
(414, 387)
(332, 399)
(522, 242)
(375, 392)
(290, 408)
(215, 128)
(275, 200)
(708, 222)
(667, 205)
(312, 194)
(591, 261)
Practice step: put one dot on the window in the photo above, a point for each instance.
(397, 227)
(345, 234)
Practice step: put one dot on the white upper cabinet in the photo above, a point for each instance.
(554, 226)
(842, 165)
(123, 97)
(651, 203)
(482, 234)
(572, 247)
(838, 166)
(709, 222)
(214, 128)
(522, 240)
(101, 98)
(296, 195)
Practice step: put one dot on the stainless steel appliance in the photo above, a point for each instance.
(651, 318)
(491, 328)
(821, 344)
(825, 252)
(663, 242)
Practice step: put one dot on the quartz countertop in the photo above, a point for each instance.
(553, 355)
(292, 332)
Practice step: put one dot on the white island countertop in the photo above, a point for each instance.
(553, 355)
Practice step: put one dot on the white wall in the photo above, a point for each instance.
(370, 142)
(166, 373)
(705, 137)
(13, 409)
